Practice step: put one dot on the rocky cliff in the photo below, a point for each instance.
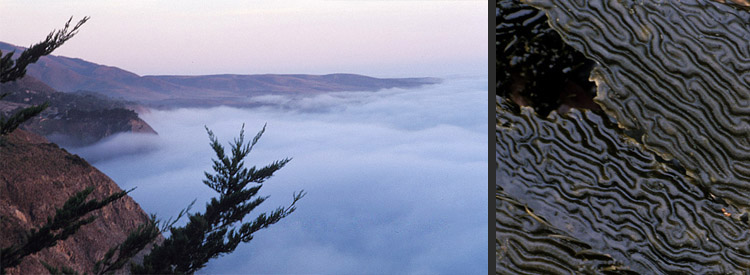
(36, 177)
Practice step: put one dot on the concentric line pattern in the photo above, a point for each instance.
(679, 71)
(526, 244)
(585, 177)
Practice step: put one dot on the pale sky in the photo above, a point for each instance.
(377, 38)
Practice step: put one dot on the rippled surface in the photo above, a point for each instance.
(527, 244)
(602, 188)
(679, 71)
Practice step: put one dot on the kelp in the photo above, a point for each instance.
(677, 70)
(526, 244)
(602, 188)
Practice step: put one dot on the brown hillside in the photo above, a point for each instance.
(35, 178)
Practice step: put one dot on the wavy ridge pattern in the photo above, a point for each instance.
(677, 70)
(527, 244)
(604, 189)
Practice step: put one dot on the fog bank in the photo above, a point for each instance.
(396, 179)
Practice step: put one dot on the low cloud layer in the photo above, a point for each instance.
(396, 179)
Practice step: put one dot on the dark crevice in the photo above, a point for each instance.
(535, 67)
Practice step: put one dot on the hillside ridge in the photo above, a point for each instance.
(67, 74)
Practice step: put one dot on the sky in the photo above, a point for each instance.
(381, 38)
(396, 180)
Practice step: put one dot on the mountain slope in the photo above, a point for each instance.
(72, 74)
(35, 178)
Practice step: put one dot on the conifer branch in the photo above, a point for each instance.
(220, 229)
(67, 220)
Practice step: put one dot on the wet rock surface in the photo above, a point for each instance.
(660, 181)
(679, 71)
(602, 188)
(527, 244)
(535, 67)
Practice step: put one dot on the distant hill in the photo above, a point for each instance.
(72, 74)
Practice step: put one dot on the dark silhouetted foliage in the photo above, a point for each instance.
(11, 70)
(67, 220)
(14, 69)
(10, 124)
(210, 234)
